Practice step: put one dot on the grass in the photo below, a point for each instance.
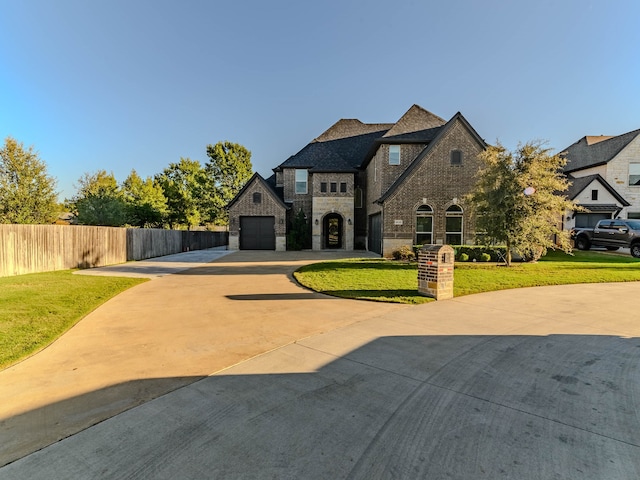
(391, 281)
(37, 308)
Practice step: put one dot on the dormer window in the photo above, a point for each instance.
(394, 154)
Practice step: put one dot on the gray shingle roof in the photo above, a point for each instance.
(348, 144)
(342, 148)
(592, 151)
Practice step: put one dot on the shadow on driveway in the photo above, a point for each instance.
(454, 406)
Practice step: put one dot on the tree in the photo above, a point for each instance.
(145, 202)
(27, 191)
(298, 236)
(518, 200)
(228, 169)
(99, 200)
(183, 184)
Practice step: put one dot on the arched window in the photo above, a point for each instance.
(453, 225)
(424, 225)
(257, 197)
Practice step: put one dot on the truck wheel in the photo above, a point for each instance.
(582, 243)
(635, 250)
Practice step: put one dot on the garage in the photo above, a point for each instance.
(257, 233)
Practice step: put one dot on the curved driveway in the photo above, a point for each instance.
(253, 377)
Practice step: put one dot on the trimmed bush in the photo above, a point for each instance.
(404, 253)
(463, 257)
(477, 253)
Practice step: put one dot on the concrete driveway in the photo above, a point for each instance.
(230, 370)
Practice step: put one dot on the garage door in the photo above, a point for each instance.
(257, 233)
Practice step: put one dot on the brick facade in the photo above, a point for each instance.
(434, 182)
(354, 158)
(269, 205)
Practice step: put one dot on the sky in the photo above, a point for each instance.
(118, 85)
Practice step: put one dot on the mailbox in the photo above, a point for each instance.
(435, 271)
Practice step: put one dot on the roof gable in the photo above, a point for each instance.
(458, 117)
(577, 185)
(593, 151)
(269, 187)
(416, 125)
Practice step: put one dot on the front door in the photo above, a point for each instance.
(332, 228)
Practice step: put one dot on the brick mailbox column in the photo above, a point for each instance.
(435, 271)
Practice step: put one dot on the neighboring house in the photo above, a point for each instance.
(604, 172)
(367, 186)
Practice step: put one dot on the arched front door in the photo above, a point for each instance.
(332, 231)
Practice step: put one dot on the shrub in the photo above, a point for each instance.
(485, 257)
(463, 257)
(404, 253)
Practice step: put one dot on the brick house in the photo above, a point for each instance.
(604, 175)
(367, 186)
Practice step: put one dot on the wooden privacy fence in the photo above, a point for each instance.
(44, 248)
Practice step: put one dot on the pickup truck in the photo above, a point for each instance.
(611, 234)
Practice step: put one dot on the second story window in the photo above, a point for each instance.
(334, 187)
(394, 154)
(301, 181)
(323, 187)
(343, 187)
(634, 174)
(257, 197)
(594, 194)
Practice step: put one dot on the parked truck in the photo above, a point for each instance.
(611, 234)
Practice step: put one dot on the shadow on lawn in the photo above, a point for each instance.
(364, 264)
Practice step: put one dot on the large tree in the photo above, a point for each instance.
(27, 191)
(99, 200)
(228, 169)
(146, 204)
(183, 184)
(518, 200)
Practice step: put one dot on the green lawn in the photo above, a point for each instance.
(37, 308)
(393, 281)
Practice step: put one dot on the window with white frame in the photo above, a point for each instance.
(634, 174)
(394, 154)
(424, 225)
(302, 179)
(453, 225)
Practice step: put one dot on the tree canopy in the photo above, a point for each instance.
(518, 200)
(145, 202)
(27, 191)
(99, 200)
(183, 184)
(228, 169)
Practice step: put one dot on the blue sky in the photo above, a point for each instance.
(137, 84)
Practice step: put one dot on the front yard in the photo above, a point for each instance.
(395, 281)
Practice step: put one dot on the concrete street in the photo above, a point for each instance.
(229, 369)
